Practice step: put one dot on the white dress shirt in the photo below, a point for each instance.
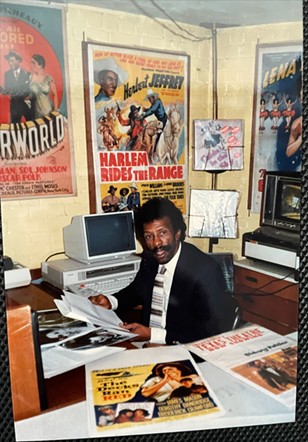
(158, 335)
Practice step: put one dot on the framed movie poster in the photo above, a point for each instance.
(277, 118)
(36, 150)
(136, 114)
(218, 145)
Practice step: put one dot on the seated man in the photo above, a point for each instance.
(191, 302)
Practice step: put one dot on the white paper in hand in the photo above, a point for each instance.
(84, 310)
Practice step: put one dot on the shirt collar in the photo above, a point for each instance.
(171, 265)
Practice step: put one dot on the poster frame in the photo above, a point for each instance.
(37, 150)
(94, 180)
(259, 166)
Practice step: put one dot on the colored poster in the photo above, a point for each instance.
(36, 151)
(137, 126)
(141, 396)
(277, 122)
(218, 145)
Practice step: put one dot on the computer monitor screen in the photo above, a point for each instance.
(97, 237)
(281, 201)
(289, 203)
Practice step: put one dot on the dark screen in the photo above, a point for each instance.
(288, 207)
(110, 233)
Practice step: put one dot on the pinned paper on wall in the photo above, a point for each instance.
(218, 145)
(213, 213)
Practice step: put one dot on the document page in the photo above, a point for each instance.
(78, 307)
(258, 356)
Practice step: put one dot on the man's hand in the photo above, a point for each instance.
(101, 300)
(143, 332)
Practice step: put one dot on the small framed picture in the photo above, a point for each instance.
(218, 145)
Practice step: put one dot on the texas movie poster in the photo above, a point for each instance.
(277, 123)
(35, 135)
(138, 102)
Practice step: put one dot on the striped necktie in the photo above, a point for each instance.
(158, 298)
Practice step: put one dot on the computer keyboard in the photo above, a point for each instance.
(103, 286)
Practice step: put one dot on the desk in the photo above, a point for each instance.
(67, 388)
(244, 405)
(66, 417)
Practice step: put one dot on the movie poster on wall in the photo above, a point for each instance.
(277, 122)
(36, 151)
(136, 110)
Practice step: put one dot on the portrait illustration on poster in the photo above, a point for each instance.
(36, 152)
(137, 103)
(277, 124)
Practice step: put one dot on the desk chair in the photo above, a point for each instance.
(225, 260)
(26, 371)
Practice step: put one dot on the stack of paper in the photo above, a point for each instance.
(77, 307)
(84, 340)
(57, 359)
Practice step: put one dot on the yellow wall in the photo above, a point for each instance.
(32, 229)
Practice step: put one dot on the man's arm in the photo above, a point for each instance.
(151, 110)
(295, 139)
(199, 305)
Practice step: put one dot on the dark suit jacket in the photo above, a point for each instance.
(18, 90)
(198, 307)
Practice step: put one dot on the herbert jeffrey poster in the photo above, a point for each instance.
(36, 152)
(136, 110)
(277, 121)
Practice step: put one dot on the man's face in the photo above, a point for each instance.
(128, 413)
(139, 415)
(107, 411)
(109, 83)
(14, 63)
(186, 382)
(161, 240)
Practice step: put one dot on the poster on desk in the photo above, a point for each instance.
(137, 120)
(143, 388)
(257, 356)
(277, 115)
(36, 150)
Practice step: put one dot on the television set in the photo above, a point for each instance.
(281, 201)
(98, 237)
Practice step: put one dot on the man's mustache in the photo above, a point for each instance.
(164, 248)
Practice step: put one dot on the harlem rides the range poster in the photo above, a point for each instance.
(136, 110)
